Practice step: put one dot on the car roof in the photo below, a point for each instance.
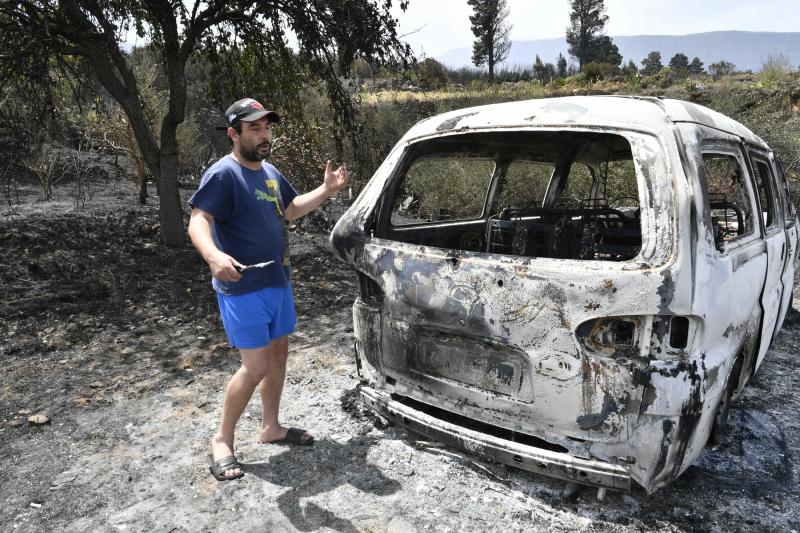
(652, 115)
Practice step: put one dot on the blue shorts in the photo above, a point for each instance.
(255, 318)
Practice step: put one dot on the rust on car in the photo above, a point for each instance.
(577, 286)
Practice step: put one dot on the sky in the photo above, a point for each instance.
(433, 27)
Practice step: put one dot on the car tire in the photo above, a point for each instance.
(719, 427)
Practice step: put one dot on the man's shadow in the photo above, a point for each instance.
(317, 469)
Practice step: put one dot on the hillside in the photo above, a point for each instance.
(746, 50)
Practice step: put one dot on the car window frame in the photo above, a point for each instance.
(760, 156)
(790, 211)
(726, 147)
(398, 179)
(504, 166)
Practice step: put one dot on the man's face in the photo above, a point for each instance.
(255, 141)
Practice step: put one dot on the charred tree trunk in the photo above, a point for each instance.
(165, 173)
(490, 61)
(175, 57)
(169, 204)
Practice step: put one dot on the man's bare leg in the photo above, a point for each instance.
(271, 388)
(255, 365)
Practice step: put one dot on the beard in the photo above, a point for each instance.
(254, 153)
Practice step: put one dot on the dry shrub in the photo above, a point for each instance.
(775, 70)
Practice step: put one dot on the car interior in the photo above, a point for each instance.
(557, 194)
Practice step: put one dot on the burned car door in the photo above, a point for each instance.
(790, 225)
(730, 271)
(775, 239)
(483, 334)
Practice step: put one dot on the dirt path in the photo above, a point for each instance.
(117, 340)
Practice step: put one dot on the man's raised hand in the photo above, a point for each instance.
(335, 180)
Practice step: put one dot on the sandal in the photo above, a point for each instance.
(218, 468)
(294, 436)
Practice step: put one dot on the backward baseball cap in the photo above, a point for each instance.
(247, 110)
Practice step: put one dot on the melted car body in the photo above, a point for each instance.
(574, 286)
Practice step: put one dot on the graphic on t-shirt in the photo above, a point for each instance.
(272, 196)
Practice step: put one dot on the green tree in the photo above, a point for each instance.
(696, 67)
(679, 66)
(330, 35)
(561, 65)
(432, 74)
(491, 31)
(605, 51)
(585, 36)
(539, 70)
(630, 69)
(651, 65)
(549, 72)
(679, 61)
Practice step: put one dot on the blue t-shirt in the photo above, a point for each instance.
(248, 207)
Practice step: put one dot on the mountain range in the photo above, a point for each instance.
(746, 50)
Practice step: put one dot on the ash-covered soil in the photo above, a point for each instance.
(117, 340)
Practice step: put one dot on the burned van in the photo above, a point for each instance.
(576, 286)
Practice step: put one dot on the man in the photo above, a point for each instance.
(238, 226)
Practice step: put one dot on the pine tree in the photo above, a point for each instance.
(585, 37)
(539, 70)
(630, 69)
(491, 30)
(679, 65)
(651, 65)
(562, 66)
(549, 72)
(696, 67)
(605, 51)
(679, 61)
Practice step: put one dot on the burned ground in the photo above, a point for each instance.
(117, 340)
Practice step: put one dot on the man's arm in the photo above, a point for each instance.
(303, 204)
(221, 264)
